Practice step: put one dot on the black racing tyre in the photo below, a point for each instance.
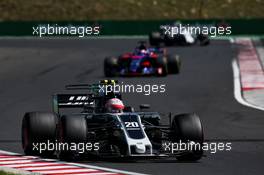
(155, 38)
(163, 64)
(38, 128)
(204, 40)
(178, 39)
(169, 41)
(110, 67)
(72, 130)
(174, 64)
(185, 128)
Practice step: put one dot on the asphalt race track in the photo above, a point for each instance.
(31, 70)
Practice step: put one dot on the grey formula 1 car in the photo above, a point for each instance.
(126, 133)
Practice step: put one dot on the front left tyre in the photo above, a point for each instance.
(187, 129)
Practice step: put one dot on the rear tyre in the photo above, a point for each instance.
(186, 128)
(110, 67)
(169, 41)
(37, 128)
(72, 130)
(162, 66)
(155, 39)
(174, 64)
(204, 40)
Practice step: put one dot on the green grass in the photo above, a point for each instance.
(28, 10)
(5, 173)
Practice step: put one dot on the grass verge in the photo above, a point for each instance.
(59, 10)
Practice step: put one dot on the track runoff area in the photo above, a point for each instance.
(244, 82)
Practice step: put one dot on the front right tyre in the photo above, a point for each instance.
(110, 67)
(174, 64)
(155, 38)
(162, 66)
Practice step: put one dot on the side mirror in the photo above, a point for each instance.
(144, 106)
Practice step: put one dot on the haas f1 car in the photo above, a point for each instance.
(183, 38)
(143, 61)
(115, 129)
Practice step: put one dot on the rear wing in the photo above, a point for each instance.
(80, 100)
(71, 101)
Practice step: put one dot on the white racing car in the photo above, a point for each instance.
(177, 34)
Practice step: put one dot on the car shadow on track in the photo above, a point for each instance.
(133, 160)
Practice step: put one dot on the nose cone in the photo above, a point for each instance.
(140, 148)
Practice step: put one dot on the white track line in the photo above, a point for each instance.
(9, 153)
(237, 87)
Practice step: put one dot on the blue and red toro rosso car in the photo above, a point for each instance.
(142, 61)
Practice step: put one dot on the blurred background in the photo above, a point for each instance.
(130, 17)
(64, 10)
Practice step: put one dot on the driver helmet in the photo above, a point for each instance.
(143, 51)
(142, 47)
(114, 105)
